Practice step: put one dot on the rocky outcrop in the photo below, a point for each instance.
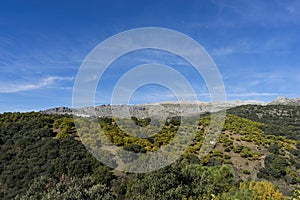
(286, 101)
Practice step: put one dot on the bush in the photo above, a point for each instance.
(263, 190)
(245, 171)
(135, 148)
(273, 148)
(274, 167)
(238, 149)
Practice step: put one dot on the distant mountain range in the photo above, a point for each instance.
(171, 108)
(155, 109)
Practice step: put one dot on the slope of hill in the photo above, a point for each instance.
(258, 150)
(282, 120)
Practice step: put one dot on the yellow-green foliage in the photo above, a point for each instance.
(263, 190)
(62, 135)
(240, 130)
(296, 195)
(241, 125)
(120, 133)
(64, 126)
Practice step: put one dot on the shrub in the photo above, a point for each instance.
(238, 149)
(273, 148)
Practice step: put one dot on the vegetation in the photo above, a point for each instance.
(282, 120)
(43, 158)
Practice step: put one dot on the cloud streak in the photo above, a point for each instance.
(22, 87)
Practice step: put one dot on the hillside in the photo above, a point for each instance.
(282, 120)
(257, 153)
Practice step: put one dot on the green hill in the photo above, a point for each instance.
(257, 156)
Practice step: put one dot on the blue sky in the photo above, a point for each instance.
(255, 45)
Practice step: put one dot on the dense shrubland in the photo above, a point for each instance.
(43, 158)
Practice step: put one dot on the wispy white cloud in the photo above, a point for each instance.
(252, 94)
(160, 97)
(21, 86)
(262, 13)
(222, 51)
(279, 44)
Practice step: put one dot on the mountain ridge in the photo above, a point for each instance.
(172, 108)
(281, 100)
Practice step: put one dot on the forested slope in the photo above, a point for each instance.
(43, 158)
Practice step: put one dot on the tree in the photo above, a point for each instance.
(273, 148)
(67, 188)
